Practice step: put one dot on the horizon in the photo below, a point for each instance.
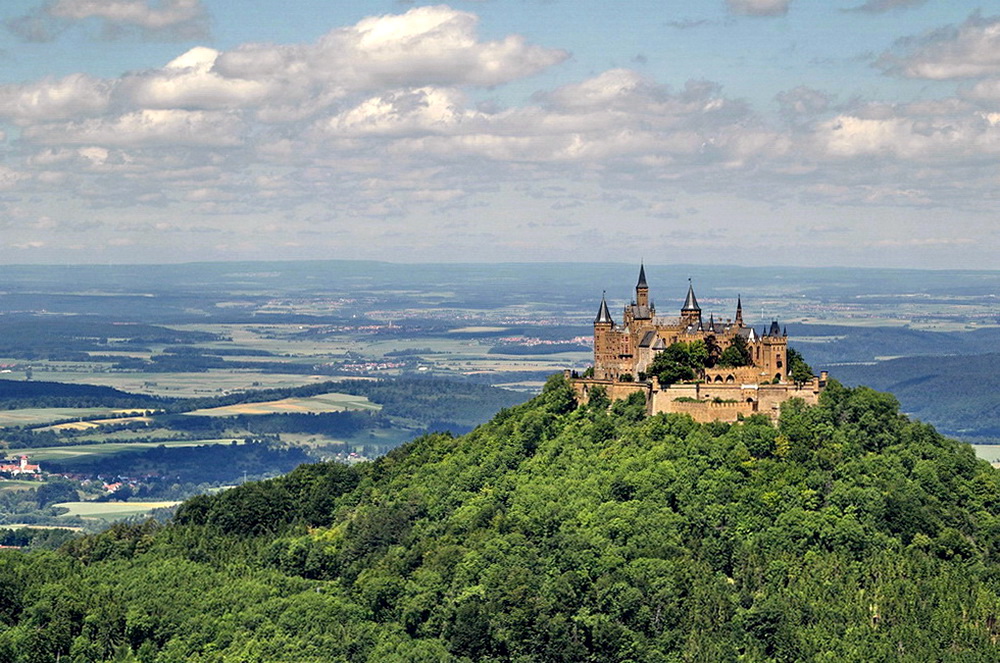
(498, 263)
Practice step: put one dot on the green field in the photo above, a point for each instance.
(215, 382)
(43, 415)
(82, 451)
(7, 485)
(110, 511)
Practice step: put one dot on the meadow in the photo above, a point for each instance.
(36, 416)
(85, 452)
(112, 511)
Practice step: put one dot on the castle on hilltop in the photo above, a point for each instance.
(719, 390)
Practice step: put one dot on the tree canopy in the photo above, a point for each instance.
(737, 354)
(679, 361)
(845, 532)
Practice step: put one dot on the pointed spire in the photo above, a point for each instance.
(603, 314)
(691, 303)
(711, 323)
(642, 277)
(775, 329)
(785, 331)
(739, 311)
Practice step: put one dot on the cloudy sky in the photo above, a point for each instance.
(793, 132)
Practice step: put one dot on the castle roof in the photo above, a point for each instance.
(603, 314)
(642, 277)
(691, 303)
(640, 312)
(647, 339)
(775, 329)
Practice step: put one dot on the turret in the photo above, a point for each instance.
(605, 348)
(641, 288)
(691, 312)
(603, 314)
(739, 312)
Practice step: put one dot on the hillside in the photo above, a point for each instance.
(957, 394)
(556, 533)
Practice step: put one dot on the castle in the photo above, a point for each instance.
(623, 353)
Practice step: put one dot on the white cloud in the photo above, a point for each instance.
(190, 82)
(10, 178)
(424, 46)
(168, 13)
(986, 90)
(423, 110)
(383, 118)
(145, 128)
(969, 50)
(171, 19)
(758, 7)
(909, 137)
(74, 96)
(880, 6)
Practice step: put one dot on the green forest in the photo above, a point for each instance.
(555, 532)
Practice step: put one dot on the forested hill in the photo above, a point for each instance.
(556, 533)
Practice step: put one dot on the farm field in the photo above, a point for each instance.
(84, 451)
(8, 485)
(96, 423)
(179, 385)
(989, 452)
(34, 416)
(314, 404)
(111, 511)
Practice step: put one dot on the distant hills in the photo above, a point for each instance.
(958, 394)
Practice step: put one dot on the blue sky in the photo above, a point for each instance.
(753, 132)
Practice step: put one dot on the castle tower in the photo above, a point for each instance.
(773, 362)
(604, 342)
(691, 312)
(739, 312)
(641, 288)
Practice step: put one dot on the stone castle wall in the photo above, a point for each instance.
(706, 401)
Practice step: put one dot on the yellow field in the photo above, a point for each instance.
(313, 404)
(87, 425)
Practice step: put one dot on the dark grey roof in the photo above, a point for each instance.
(691, 303)
(660, 344)
(641, 312)
(775, 328)
(603, 314)
(647, 339)
(711, 323)
(642, 277)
